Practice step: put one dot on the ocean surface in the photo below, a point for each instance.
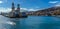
(31, 22)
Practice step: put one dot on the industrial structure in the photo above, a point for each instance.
(16, 12)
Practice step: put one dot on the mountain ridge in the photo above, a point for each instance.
(47, 11)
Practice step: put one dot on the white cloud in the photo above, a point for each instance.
(31, 9)
(5, 9)
(23, 8)
(2, 9)
(53, 2)
(58, 5)
(1, 2)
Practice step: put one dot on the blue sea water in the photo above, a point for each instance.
(31, 22)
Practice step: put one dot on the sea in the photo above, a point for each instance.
(31, 22)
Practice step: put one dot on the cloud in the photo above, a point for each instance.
(53, 2)
(58, 5)
(5, 9)
(23, 8)
(2, 9)
(31, 9)
(1, 2)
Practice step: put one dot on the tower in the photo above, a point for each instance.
(18, 7)
(13, 7)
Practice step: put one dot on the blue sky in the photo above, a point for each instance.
(30, 5)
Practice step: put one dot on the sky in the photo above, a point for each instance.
(28, 5)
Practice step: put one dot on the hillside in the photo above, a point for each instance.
(48, 11)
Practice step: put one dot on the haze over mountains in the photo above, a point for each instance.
(52, 11)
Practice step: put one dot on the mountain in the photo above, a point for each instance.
(47, 11)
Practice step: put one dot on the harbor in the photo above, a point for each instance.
(32, 22)
(29, 14)
(15, 13)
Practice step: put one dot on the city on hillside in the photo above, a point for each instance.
(29, 14)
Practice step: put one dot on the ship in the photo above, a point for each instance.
(15, 13)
